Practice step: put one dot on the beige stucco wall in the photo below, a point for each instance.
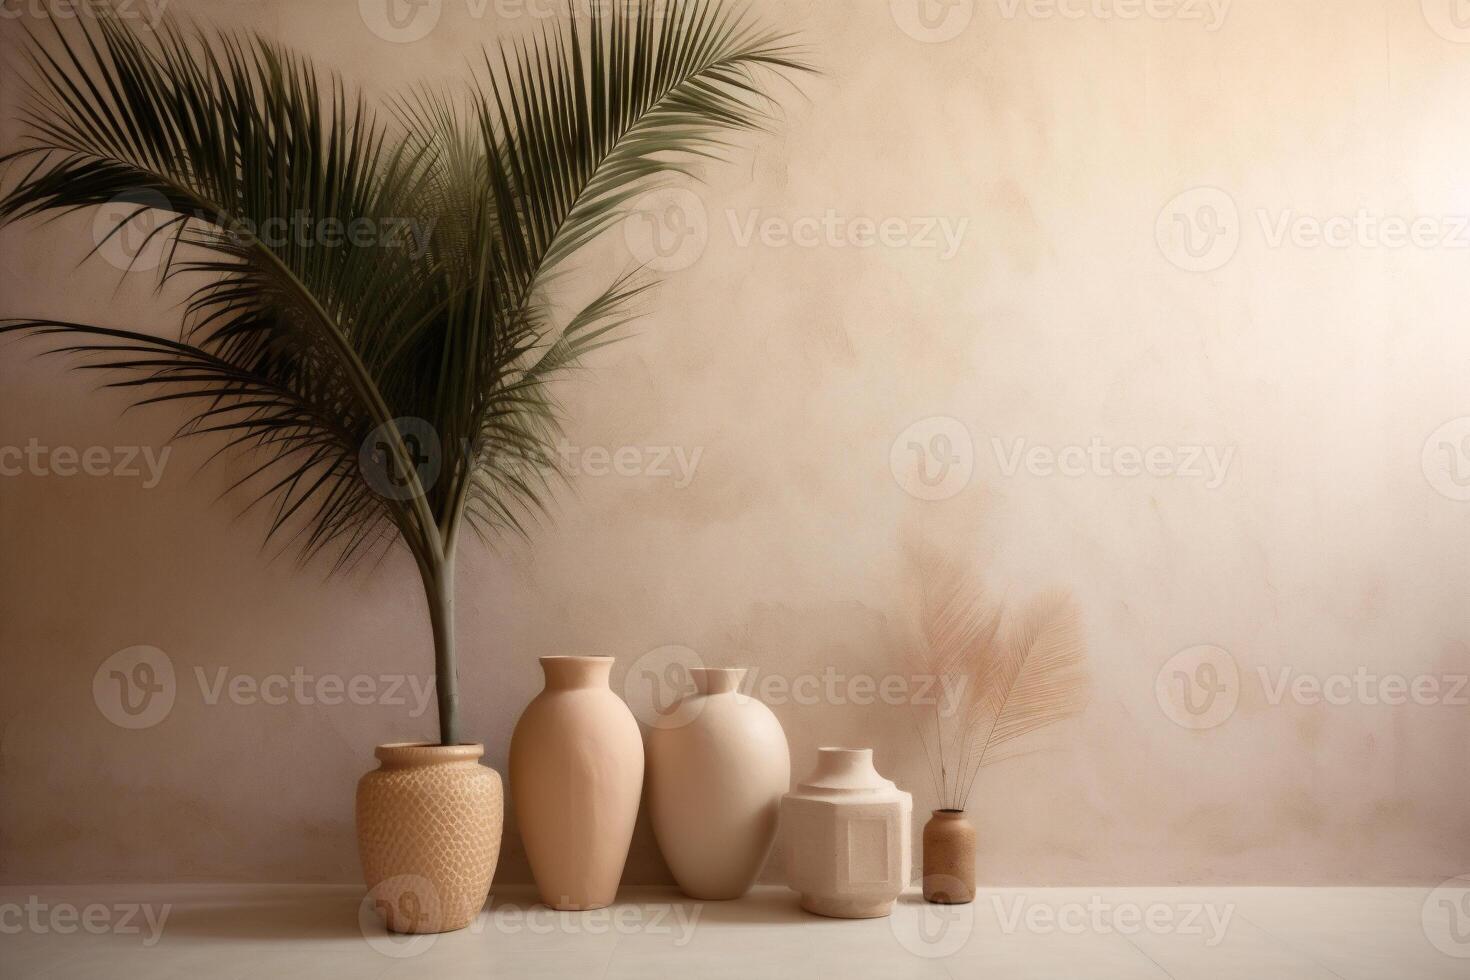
(1066, 313)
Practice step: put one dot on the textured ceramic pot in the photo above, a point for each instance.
(576, 773)
(428, 833)
(717, 768)
(949, 859)
(847, 837)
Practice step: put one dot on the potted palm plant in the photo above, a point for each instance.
(390, 389)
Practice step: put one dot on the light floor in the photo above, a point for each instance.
(218, 932)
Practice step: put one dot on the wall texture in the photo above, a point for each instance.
(992, 253)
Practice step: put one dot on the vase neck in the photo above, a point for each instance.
(716, 680)
(845, 769)
(566, 673)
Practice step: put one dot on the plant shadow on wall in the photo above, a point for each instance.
(369, 311)
(1016, 673)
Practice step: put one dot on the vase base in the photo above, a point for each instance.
(948, 900)
(431, 929)
(846, 908)
(570, 906)
(716, 894)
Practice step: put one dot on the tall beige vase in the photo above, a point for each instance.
(846, 830)
(576, 773)
(717, 768)
(428, 833)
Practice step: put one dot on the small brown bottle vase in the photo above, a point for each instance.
(949, 859)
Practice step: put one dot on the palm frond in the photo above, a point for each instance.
(572, 125)
(306, 350)
(234, 139)
(1037, 678)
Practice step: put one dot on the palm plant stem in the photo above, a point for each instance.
(439, 590)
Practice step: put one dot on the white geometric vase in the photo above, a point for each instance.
(847, 837)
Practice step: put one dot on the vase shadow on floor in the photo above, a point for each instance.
(329, 912)
(764, 906)
(332, 912)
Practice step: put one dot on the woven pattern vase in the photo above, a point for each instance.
(428, 832)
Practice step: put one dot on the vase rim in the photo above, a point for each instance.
(949, 811)
(845, 771)
(565, 673)
(574, 657)
(427, 753)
